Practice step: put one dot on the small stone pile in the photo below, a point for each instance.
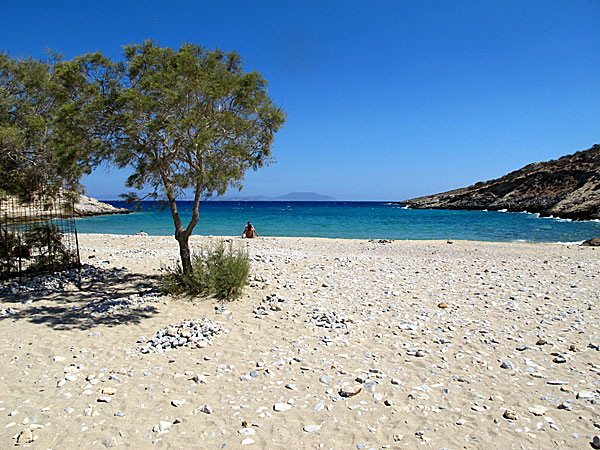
(110, 305)
(192, 333)
(269, 306)
(330, 320)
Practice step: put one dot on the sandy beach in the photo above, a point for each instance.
(335, 344)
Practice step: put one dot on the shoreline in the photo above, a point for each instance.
(338, 342)
(371, 240)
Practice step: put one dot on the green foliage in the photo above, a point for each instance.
(221, 271)
(39, 248)
(183, 120)
(42, 149)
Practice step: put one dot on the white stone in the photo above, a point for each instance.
(538, 410)
(280, 407)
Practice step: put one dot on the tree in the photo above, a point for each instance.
(185, 120)
(43, 144)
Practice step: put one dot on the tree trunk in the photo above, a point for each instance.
(184, 252)
(183, 235)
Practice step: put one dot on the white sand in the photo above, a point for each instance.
(429, 376)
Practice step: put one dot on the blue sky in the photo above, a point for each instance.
(386, 100)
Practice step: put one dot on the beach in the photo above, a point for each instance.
(335, 344)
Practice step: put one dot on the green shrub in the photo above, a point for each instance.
(221, 271)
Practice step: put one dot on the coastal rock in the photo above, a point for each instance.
(88, 206)
(568, 187)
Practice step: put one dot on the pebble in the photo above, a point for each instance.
(110, 442)
(178, 403)
(538, 410)
(311, 428)
(162, 427)
(507, 365)
(25, 437)
(586, 394)
(350, 392)
(280, 407)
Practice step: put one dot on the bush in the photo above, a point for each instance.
(221, 271)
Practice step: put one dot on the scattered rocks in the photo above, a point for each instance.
(331, 320)
(269, 305)
(107, 306)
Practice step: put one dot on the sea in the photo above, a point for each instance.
(347, 220)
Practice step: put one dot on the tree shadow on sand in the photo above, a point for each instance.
(72, 309)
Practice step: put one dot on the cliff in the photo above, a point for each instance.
(568, 187)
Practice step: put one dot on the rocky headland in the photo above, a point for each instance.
(568, 187)
(12, 209)
(87, 206)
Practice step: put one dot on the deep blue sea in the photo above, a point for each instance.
(362, 220)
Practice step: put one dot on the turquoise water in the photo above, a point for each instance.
(361, 220)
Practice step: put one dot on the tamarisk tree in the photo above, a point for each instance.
(187, 120)
(42, 153)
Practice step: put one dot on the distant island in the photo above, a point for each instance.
(291, 197)
(568, 187)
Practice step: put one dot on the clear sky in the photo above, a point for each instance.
(386, 100)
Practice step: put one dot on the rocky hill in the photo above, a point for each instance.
(568, 187)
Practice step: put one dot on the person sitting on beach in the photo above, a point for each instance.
(250, 232)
